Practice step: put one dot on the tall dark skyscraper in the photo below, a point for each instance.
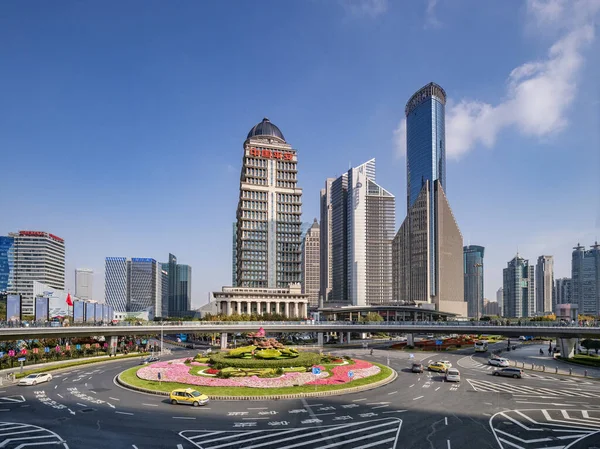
(180, 286)
(585, 279)
(473, 268)
(427, 252)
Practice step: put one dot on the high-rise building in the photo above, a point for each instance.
(7, 263)
(491, 308)
(563, 291)
(519, 289)
(311, 264)
(116, 292)
(585, 279)
(326, 277)
(38, 256)
(180, 287)
(500, 300)
(164, 292)
(428, 248)
(84, 283)
(362, 215)
(268, 213)
(544, 284)
(473, 272)
(234, 256)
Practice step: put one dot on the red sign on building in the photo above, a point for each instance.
(271, 154)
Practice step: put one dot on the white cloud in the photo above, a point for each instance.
(365, 8)
(538, 93)
(431, 20)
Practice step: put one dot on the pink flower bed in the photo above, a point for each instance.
(360, 368)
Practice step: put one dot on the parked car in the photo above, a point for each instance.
(517, 373)
(498, 361)
(417, 368)
(188, 396)
(34, 379)
(452, 375)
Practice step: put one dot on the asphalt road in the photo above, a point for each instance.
(83, 408)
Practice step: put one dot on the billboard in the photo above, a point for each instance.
(98, 315)
(89, 312)
(41, 309)
(78, 311)
(58, 308)
(13, 308)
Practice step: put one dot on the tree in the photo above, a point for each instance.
(591, 344)
(371, 316)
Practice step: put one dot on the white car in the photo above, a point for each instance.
(498, 361)
(446, 362)
(452, 375)
(34, 379)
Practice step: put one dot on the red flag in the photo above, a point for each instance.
(69, 302)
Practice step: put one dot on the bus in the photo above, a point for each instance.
(481, 346)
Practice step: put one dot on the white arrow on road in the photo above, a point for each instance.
(71, 411)
(110, 405)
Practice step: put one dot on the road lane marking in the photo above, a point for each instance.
(80, 404)
(114, 399)
(446, 420)
(55, 387)
(4, 410)
(437, 388)
(134, 446)
(59, 395)
(358, 400)
(323, 414)
(378, 403)
(395, 411)
(255, 418)
(150, 405)
(448, 444)
(410, 386)
(258, 408)
(418, 397)
(393, 392)
(379, 406)
(124, 413)
(180, 446)
(183, 417)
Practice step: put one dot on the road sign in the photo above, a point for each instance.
(316, 371)
(21, 359)
(439, 342)
(350, 374)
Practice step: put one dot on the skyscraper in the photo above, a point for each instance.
(116, 293)
(164, 292)
(7, 263)
(544, 284)
(180, 287)
(563, 291)
(362, 215)
(326, 262)
(311, 264)
(38, 256)
(268, 213)
(428, 249)
(473, 272)
(585, 279)
(84, 283)
(234, 256)
(519, 290)
(500, 300)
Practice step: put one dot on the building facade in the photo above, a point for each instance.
(115, 283)
(428, 248)
(519, 289)
(473, 274)
(7, 263)
(311, 264)
(491, 308)
(500, 300)
(544, 285)
(268, 237)
(234, 255)
(164, 280)
(325, 248)
(38, 256)
(84, 283)
(585, 279)
(180, 287)
(563, 291)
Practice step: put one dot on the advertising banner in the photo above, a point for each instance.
(90, 312)
(13, 308)
(78, 311)
(99, 312)
(58, 308)
(41, 309)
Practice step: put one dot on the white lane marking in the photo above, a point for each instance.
(71, 411)
(546, 403)
(418, 397)
(258, 408)
(180, 446)
(5, 409)
(255, 418)
(59, 395)
(323, 414)
(90, 378)
(114, 399)
(183, 417)
(80, 404)
(110, 405)
(437, 388)
(55, 387)
(358, 400)
(134, 446)
(85, 384)
(448, 444)
(124, 413)
(446, 420)
(410, 386)
(314, 405)
(395, 411)
(379, 406)
(150, 405)
(377, 403)
(393, 392)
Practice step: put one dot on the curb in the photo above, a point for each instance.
(549, 370)
(392, 377)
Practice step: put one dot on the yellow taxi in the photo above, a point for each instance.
(438, 367)
(188, 396)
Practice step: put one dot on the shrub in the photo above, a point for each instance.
(268, 354)
(241, 351)
(200, 359)
(304, 359)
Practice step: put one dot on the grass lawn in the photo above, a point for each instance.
(586, 360)
(129, 376)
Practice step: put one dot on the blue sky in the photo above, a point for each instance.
(123, 122)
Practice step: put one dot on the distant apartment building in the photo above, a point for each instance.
(491, 308)
(544, 284)
(311, 264)
(562, 288)
(84, 283)
(37, 256)
(585, 279)
(519, 289)
(473, 272)
(7, 263)
(500, 300)
(180, 287)
(325, 249)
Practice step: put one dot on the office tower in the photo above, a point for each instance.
(491, 308)
(585, 279)
(311, 264)
(268, 212)
(84, 283)
(362, 215)
(115, 283)
(473, 272)
(164, 292)
(326, 252)
(519, 289)
(234, 256)
(500, 300)
(7, 263)
(145, 284)
(38, 256)
(563, 291)
(428, 249)
(180, 287)
(544, 284)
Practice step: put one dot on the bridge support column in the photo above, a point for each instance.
(320, 339)
(567, 346)
(223, 340)
(114, 341)
(410, 339)
(348, 337)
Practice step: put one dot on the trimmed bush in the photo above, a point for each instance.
(241, 351)
(304, 359)
(267, 354)
(201, 359)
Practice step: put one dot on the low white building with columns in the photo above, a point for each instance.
(290, 302)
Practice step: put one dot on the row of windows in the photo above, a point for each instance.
(286, 185)
(254, 195)
(252, 162)
(286, 176)
(290, 218)
(255, 205)
(288, 208)
(288, 247)
(287, 198)
(256, 172)
(254, 265)
(286, 227)
(258, 181)
(254, 225)
(284, 237)
(256, 235)
(254, 245)
(254, 215)
(286, 165)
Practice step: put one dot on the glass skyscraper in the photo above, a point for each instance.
(180, 287)
(7, 260)
(585, 279)
(473, 268)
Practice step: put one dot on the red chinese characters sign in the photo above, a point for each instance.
(271, 154)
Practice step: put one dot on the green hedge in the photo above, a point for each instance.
(241, 351)
(267, 354)
(305, 359)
